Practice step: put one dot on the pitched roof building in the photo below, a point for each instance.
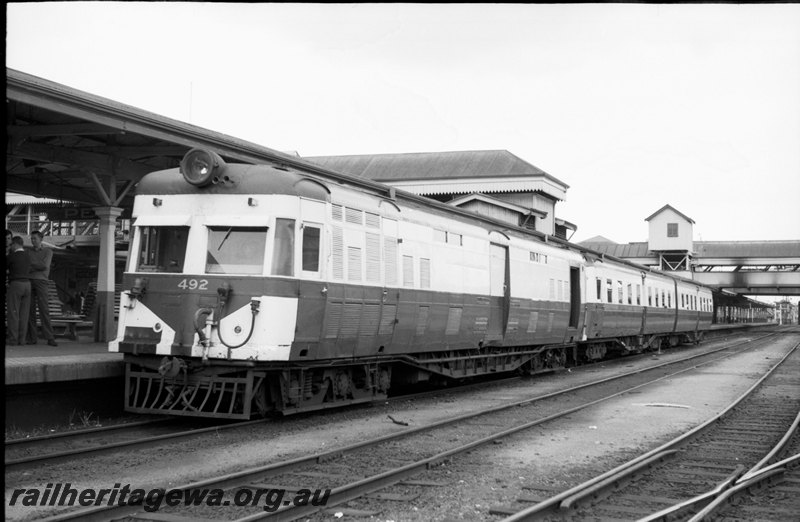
(492, 182)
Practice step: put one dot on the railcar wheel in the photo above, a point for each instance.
(384, 381)
(342, 385)
(260, 399)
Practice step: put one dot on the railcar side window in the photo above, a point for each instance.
(599, 289)
(311, 236)
(162, 249)
(610, 290)
(454, 239)
(235, 250)
(408, 271)
(424, 273)
(283, 249)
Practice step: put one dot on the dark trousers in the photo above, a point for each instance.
(39, 299)
(18, 306)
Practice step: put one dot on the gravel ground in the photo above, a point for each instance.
(552, 458)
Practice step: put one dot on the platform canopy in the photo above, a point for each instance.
(68, 144)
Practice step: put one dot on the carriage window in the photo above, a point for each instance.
(311, 248)
(283, 249)
(161, 249)
(235, 250)
(599, 289)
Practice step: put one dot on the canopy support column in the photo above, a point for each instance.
(104, 303)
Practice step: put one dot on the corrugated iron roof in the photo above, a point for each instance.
(747, 248)
(668, 206)
(24, 199)
(433, 165)
(617, 250)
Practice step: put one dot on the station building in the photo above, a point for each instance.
(786, 312)
(494, 183)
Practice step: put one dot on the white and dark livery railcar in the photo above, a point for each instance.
(257, 288)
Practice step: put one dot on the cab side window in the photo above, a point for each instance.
(283, 249)
(311, 248)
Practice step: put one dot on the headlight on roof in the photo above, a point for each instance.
(200, 166)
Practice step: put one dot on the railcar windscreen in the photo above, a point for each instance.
(162, 249)
(236, 250)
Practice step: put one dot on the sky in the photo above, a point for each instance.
(633, 106)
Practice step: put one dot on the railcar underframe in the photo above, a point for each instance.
(241, 389)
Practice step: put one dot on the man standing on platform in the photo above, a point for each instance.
(18, 295)
(41, 257)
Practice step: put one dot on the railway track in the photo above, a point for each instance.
(48, 449)
(363, 469)
(681, 478)
(59, 447)
(773, 494)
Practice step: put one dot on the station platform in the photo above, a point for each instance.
(69, 361)
(740, 326)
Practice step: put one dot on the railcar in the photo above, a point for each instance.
(258, 288)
